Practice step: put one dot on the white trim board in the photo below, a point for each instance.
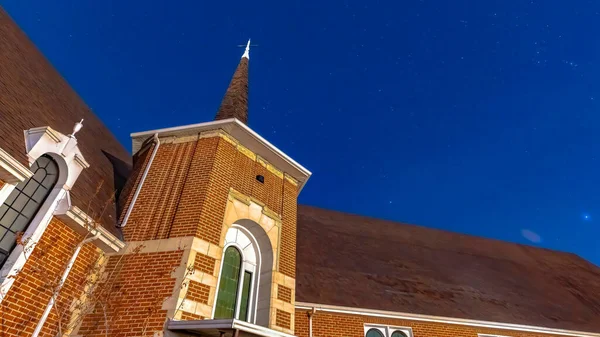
(440, 319)
(11, 170)
(240, 131)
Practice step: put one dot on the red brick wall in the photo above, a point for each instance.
(138, 284)
(198, 292)
(284, 293)
(186, 190)
(26, 300)
(283, 319)
(157, 202)
(1, 183)
(287, 258)
(326, 324)
(204, 263)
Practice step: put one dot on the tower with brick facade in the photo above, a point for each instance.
(209, 217)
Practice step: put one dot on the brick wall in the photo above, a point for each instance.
(137, 286)
(186, 190)
(283, 319)
(186, 194)
(1, 184)
(198, 292)
(26, 300)
(287, 262)
(204, 264)
(284, 293)
(159, 197)
(327, 324)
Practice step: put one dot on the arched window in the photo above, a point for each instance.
(24, 202)
(229, 283)
(374, 333)
(398, 333)
(237, 286)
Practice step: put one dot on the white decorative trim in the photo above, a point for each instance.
(11, 171)
(45, 140)
(243, 240)
(224, 324)
(5, 191)
(388, 330)
(441, 319)
(81, 161)
(64, 150)
(84, 224)
(36, 133)
(240, 131)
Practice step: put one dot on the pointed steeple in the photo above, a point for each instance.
(235, 101)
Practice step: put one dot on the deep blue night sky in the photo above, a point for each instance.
(480, 117)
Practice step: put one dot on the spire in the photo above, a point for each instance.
(247, 51)
(235, 101)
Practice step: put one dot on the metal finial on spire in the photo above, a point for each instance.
(247, 51)
(77, 127)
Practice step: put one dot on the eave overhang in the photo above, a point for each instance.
(241, 132)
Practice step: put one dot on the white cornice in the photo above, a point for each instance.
(85, 225)
(240, 131)
(11, 170)
(51, 133)
(440, 319)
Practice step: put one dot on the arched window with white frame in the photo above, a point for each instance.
(23, 203)
(238, 281)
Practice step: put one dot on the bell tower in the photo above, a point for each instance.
(209, 217)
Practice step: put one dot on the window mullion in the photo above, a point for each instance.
(240, 286)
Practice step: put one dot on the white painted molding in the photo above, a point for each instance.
(85, 225)
(64, 150)
(45, 140)
(441, 319)
(216, 325)
(241, 132)
(11, 171)
(388, 330)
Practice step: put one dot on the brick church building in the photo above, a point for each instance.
(198, 233)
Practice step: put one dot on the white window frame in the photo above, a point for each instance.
(490, 335)
(65, 152)
(240, 238)
(388, 330)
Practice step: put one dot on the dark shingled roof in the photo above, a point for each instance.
(33, 94)
(356, 261)
(235, 101)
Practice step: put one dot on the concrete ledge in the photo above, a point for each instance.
(228, 326)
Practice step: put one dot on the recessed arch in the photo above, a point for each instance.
(374, 333)
(257, 254)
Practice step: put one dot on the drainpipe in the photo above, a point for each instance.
(139, 187)
(65, 274)
(310, 315)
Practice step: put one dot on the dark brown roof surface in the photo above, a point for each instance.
(235, 101)
(33, 94)
(356, 261)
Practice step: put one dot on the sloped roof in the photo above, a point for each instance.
(34, 94)
(361, 262)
